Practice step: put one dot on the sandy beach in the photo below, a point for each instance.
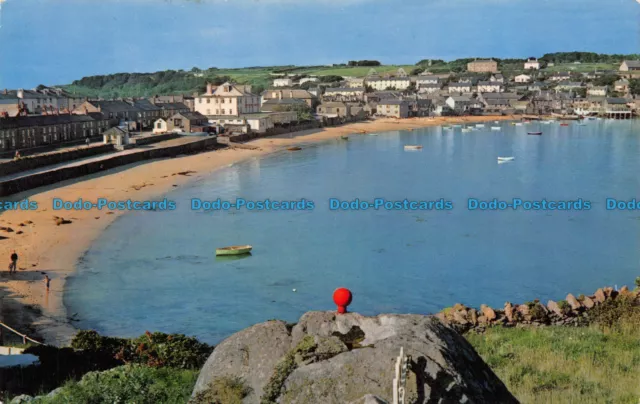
(44, 246)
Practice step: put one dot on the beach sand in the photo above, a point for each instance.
(46, 247)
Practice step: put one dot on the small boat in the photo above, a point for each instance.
(495, 128)
(519, 124)
(479, 125)
(527, 121)
(534, 133)
(457, 126)
(412, 147)
(294, 148)
(447, 127)
(564, 124)
(234, 250)
(372, 134)
(496, 121)
(466, 130)
(581, 124)
(344, 137)
(506, 158)
(592, 118)
(546, 122)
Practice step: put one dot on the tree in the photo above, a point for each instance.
(634, 86)
(607, 80)
(416, 71)
(330, 78)
(303, 111)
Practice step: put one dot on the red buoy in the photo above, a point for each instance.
(342, 298)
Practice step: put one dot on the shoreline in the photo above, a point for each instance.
(46, 247)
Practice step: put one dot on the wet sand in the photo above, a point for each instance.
(44, 246)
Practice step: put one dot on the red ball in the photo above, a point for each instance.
(342, 297)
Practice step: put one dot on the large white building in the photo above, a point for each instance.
(396, 83)
(227, 100)
(532, 64)
(522, 78)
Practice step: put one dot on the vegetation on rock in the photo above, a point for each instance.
(223, 390)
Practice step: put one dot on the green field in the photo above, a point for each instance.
(564, 365)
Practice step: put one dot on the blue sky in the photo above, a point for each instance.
(57, 41)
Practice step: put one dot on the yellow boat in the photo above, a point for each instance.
(234, 250)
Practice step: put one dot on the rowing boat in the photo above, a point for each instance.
(413, 147)
(344, 137)
(534, 133)
(294, 148)
(495, 128)
(234, 250)
(506, 158)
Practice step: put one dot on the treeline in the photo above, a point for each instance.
(364, 63)
(587, 57)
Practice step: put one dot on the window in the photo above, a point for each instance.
(208, 100)
(159, 125)
(223, 112)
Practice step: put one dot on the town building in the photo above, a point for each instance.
(621, 86)
(344, 94)
(617, 108)
(395, 83)
(9, 104)
(597, 91)
(283, 82)
(354, 82)
(426, 80)
(569, 85)
(227, 100)
(490, 87)
(333, 109)
(148, 112)
(497, 78)
(188, 122)
(115, 111)
(277, 105)
(393, 108)
(23, 132)
(560, 76)
(460, 88)
(429, 88)
(630, 65)
(522, 78)
(299, 94)
(187, 100)
(160, 126)
(532, 64)
(483, 66)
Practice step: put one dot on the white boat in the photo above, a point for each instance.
(545, 122)
(466, 130)
(457, 126)
(518, 123)
(412, 147)
(495, 128)
(479, 125)
(496, 121)
(506, 158)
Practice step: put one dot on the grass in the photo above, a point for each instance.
(564, 365)
(128, 384)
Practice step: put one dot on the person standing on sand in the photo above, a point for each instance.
(87, 141)
(47, 281)
(13, 267)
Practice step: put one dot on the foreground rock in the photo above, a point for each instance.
(329, 358)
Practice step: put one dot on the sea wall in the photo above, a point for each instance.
(33, 162)
(572, 311)
(50, 147)
(22, 184)
(154, 139)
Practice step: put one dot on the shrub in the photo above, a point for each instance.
(616, 313)
(564, 306)
(223, 390)
(151, 349)
(128, 384)
(638, 282)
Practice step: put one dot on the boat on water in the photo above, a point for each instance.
(479, 125)
(534, 133)
(344, 137)
(234, 250)
(546, 122)
(519, 124)
(582, 124)
(447, 127)
(373, 134)
(506, 158)
(564, 124)
(466, 130)
(495, 128)
(294, 148)
(592, 118)
(412, 147)
(496, 121)
(456, 126)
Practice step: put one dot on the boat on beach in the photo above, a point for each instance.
(234, 250)
(413, 147)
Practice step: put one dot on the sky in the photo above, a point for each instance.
(57, 41)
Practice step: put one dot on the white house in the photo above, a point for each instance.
(489, 87)
(630, 65)
(227, 99)
(497, 77)
(621, 85)
(429, 88)
(284, 82)
(424, 80)
(459, 88)
(396, 83)
(159, 126)
(532, 64)
(597, 91)
(523, 78)
(355, 82)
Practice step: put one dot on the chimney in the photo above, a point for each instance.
(20, 93)
(209, 89)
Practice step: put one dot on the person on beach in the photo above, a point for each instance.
(47, 281)
(87, 141)
(13, 267)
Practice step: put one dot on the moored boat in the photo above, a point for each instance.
(413, 147)
(479, 125)
(564, 124)
(296, 148)
(234, 250)
(534, 133)
(506, 158)
(344, 137)
(495, 128)
(466, 130)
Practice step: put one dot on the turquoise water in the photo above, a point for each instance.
(158, 271)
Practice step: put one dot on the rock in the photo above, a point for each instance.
(573, 302)
(554, 308)
(473, 316)
(458, 307)
(369, 399)
(252, 353)
(524, 311)
(588, 303)
(21, 399)
(508, 312)
(460, 318)
(360, 367)
(599, 296)
(488, 312)
(482, 320)
(624, 290)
